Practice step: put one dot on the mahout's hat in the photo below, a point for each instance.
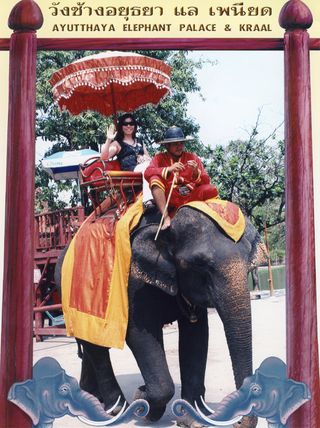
(174, 134)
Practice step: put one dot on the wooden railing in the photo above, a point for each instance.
(53, 230)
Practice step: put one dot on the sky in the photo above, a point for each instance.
(235, 88)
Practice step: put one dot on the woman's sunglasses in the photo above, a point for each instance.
(128, 124)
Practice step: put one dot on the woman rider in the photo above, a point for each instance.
(131, 153)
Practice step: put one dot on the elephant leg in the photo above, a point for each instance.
(147, 348)
(88, 381)
(193, 350)
(96, 362)
(255, 279)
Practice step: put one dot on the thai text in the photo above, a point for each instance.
(238, 9)
(80, 9)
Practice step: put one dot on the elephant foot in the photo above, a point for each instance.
(115, 410)
(86, 384)
(155, 412)
(140, 393)
(247, 422)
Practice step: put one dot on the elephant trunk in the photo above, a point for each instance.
(231, 406)
(89, 410)
(235, 312)
(228, 411)
(138, 408)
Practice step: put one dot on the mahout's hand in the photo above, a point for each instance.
(176, 167)
(192, 164)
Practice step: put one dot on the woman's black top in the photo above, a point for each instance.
(128, 155)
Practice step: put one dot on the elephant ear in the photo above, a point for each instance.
(22, 394)
(296, 394)
(152, 261)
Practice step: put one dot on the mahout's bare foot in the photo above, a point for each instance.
(166, 223)
(247, 422)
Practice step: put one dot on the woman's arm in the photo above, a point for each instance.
(109, 149)
(145, 151)
(145, 157)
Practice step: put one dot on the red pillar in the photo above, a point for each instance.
(16, 336)
(302, 341)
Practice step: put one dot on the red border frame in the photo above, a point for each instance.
(232, 44)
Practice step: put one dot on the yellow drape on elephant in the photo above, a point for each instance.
(94, 293)
(227, 214)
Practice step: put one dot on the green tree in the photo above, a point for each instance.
(87, 130)
(251, 174)
(277, 243)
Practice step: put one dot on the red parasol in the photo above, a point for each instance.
(109, 82)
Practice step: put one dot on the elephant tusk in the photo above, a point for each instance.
(103, 423)
(214, 422)
(114, 406)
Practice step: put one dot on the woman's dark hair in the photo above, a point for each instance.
(120, 134)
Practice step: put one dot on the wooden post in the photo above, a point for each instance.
(302, 341)
(270, 279)
(16, 337)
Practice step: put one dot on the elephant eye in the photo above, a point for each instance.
(64, 389)
(255, 389)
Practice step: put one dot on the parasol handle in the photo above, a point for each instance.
(113, 106)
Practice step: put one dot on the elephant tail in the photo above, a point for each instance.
(58, 267)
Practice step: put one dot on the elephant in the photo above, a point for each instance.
(190, 267)
(52, 394)
(268, 394)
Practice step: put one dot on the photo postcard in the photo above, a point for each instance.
(217, 75)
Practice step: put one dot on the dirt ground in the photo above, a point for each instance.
(268, 314)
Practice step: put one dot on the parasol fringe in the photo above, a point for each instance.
(85, 84)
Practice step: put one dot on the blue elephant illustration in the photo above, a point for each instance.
(268, 394)
(52, 394)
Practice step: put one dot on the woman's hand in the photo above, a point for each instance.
(111, 132)
(143, 158)
(110, 148)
